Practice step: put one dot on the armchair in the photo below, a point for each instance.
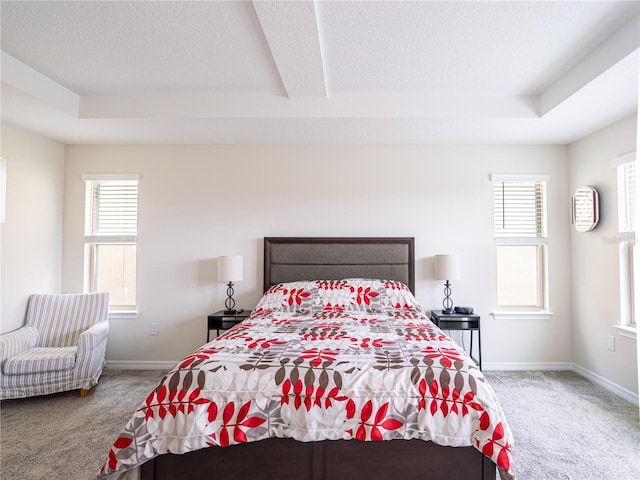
(61, 347)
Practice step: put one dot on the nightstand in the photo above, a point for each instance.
(223, 321)
(456, 321)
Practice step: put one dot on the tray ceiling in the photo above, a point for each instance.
(521, 72)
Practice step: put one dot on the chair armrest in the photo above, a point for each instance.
(17, 341)
(91, 338)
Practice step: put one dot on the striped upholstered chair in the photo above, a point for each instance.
(61, 347)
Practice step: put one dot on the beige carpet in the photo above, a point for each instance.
(65, 436)
(564, 427)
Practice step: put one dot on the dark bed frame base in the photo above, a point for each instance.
(286, 459)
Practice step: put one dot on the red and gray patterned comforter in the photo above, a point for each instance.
(350, 359)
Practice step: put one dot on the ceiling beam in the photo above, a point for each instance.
(39, 86)
(291, 31)
(429, 105)
(621, 44)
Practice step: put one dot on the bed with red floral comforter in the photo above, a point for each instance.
(321, 360)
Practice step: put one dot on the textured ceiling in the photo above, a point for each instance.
(319, 72)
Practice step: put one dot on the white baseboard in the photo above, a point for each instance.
(141, 365)
(628, 395)
(622, 392)
(527, 366)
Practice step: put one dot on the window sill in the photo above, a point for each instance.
(123, 314)
(542, 315)
(625, 331)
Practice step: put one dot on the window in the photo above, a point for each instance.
(3, 189)
(520, 233)
(111, 225)
(625, 171)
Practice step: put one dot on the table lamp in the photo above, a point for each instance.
(230, 270)
(447, 268)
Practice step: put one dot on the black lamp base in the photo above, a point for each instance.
(229, 303)
(447, 303)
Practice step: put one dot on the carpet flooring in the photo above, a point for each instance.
(564, 426)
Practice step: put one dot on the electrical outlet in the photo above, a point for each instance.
(154, 328)
(611, 343)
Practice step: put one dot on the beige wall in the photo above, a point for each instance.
(200, 202)
(31, 251)
(594, 259)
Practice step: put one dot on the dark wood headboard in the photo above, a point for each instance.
(288, 259)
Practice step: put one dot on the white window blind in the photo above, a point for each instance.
(519, 211)
(625, 167)
(111, 210)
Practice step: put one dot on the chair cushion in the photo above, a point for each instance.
(40, 360)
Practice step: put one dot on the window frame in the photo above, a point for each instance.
(92, 241)
(539, 239)
(629, 263)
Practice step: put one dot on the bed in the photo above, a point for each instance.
(337, 374)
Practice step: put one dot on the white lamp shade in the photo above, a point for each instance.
(230, 268)
(447, 267)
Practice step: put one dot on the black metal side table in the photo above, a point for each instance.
(223, 321)
(456, 321)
